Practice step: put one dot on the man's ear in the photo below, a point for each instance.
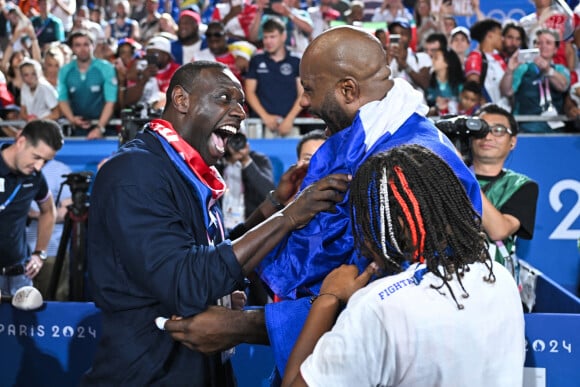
(349, 90)
(180, 99)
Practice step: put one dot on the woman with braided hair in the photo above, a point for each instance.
(444, 314)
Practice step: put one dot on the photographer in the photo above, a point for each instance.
(248, 176)
(509, 198)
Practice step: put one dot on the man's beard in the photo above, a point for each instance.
(332, 114)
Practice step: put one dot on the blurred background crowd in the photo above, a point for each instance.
(86, 63)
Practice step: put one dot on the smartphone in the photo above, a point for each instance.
(394, 39)
(151, 59)
(528, 55)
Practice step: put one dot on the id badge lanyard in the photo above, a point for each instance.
(10, 198)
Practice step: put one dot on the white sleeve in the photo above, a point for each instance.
(354, 352)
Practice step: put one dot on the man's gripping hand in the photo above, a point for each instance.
(320, 196)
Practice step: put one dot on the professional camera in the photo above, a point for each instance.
(133, 119)
(237, 142)
(79, 184)
(460, 130)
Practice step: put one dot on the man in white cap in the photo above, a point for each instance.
(158, 54)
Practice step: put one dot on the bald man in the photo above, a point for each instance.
(365, 113)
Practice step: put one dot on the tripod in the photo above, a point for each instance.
(74, 231)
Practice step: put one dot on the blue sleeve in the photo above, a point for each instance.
(284, 322)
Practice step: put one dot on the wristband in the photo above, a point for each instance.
(314, 298)
(274, 202)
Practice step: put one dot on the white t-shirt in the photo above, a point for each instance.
(415, 61)
(40, 102)
(395, 332)
(192, 52)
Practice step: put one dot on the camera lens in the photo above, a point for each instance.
(237, 141)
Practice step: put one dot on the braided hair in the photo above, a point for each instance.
(407, 205)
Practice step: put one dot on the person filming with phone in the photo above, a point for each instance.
(536, 84)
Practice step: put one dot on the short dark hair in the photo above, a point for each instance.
(480, 29)
(187, 75)
(492, 108)
(79, 33)
(437, 37)
(47, 131)
(472, 86)
(274, 24)
(317, 134)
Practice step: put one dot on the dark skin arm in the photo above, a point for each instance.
(337, 288)
(219, 328)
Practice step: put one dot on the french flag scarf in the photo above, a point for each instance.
(206, 181)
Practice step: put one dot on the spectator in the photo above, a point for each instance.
(39, 99)
(158, 54)
(470, 98)
(356, 12)
(443, 284)
(20, 165)
(406, 64)
(446, 82)
(272, 83)
(391, 10)
(435, 42)
(485, 65)
(309, 144)
(53, 61)
(122, 26)
(297, 23)
(538, 87)
(4, 24)
(236, 55)
(321, 16)
(509, 198)
(82, 22)
(19, 23)
(64, 11)
(87, 89)
(513, 39)
(460, 41)
(53, 172)
(48, 27)
(168, 25)
(149, 25)
(547, 16)
(425, 22)
(248, 176)
(188, 46)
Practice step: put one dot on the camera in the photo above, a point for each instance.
(460, 130)
(79, 184)
(134, 118)
(237, 142)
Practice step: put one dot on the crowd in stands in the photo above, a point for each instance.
(85, 64)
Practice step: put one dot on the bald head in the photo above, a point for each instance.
(348, 51)
(343, 69)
